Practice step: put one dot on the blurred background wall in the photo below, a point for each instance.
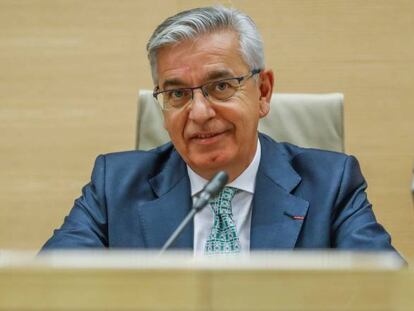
(70, 73)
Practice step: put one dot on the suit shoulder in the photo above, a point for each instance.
(151, 160)
(321, 162)
(308, 158)
(155, 153)
(322, 166)
(292, 151)
(297, 152)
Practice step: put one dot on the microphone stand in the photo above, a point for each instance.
(212, 188)
(181, 227)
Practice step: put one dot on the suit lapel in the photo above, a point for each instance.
(277, 215)
(160, 217)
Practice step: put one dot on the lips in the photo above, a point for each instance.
(205, 135)
(207, 138)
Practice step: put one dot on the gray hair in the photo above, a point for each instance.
(188, 25)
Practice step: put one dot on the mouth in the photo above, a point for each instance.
(207, 138)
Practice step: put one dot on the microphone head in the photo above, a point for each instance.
(217, 183)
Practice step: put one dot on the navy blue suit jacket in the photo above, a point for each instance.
(304, 198)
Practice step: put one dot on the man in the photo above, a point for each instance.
(210, 79)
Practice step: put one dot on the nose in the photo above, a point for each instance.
(201, 109)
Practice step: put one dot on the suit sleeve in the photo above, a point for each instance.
(86, 224)
(354, 223)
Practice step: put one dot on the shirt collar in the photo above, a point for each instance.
(246, 181)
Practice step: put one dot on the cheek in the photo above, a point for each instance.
(245, 118)
(169, 118)
(174, 124)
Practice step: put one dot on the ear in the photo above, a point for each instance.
(266, 81)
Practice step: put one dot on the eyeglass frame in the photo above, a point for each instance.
(157, 92)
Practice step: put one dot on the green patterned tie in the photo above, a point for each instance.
(223, 238)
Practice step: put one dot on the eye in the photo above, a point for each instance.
(222, 86)
(176, 94)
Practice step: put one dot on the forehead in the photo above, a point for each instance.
(193, 61)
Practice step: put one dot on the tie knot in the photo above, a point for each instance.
(226, 194)
(223, 199)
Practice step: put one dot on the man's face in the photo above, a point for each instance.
(211, 136)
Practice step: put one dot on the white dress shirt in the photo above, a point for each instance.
(241, 206)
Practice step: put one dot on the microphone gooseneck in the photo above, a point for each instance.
(210, 190)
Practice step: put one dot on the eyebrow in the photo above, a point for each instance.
(220, 74)
(173, 83)
(214, 75)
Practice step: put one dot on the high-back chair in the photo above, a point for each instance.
(306, 120)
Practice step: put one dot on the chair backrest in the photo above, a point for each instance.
(306, 120)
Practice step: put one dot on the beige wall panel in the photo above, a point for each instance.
(70, 72)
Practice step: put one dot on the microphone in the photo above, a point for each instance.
(210, 190)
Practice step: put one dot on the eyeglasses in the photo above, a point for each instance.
(215, 91)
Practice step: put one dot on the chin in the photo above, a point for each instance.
(213, 162)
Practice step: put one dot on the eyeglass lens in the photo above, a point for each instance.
(216, 91)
